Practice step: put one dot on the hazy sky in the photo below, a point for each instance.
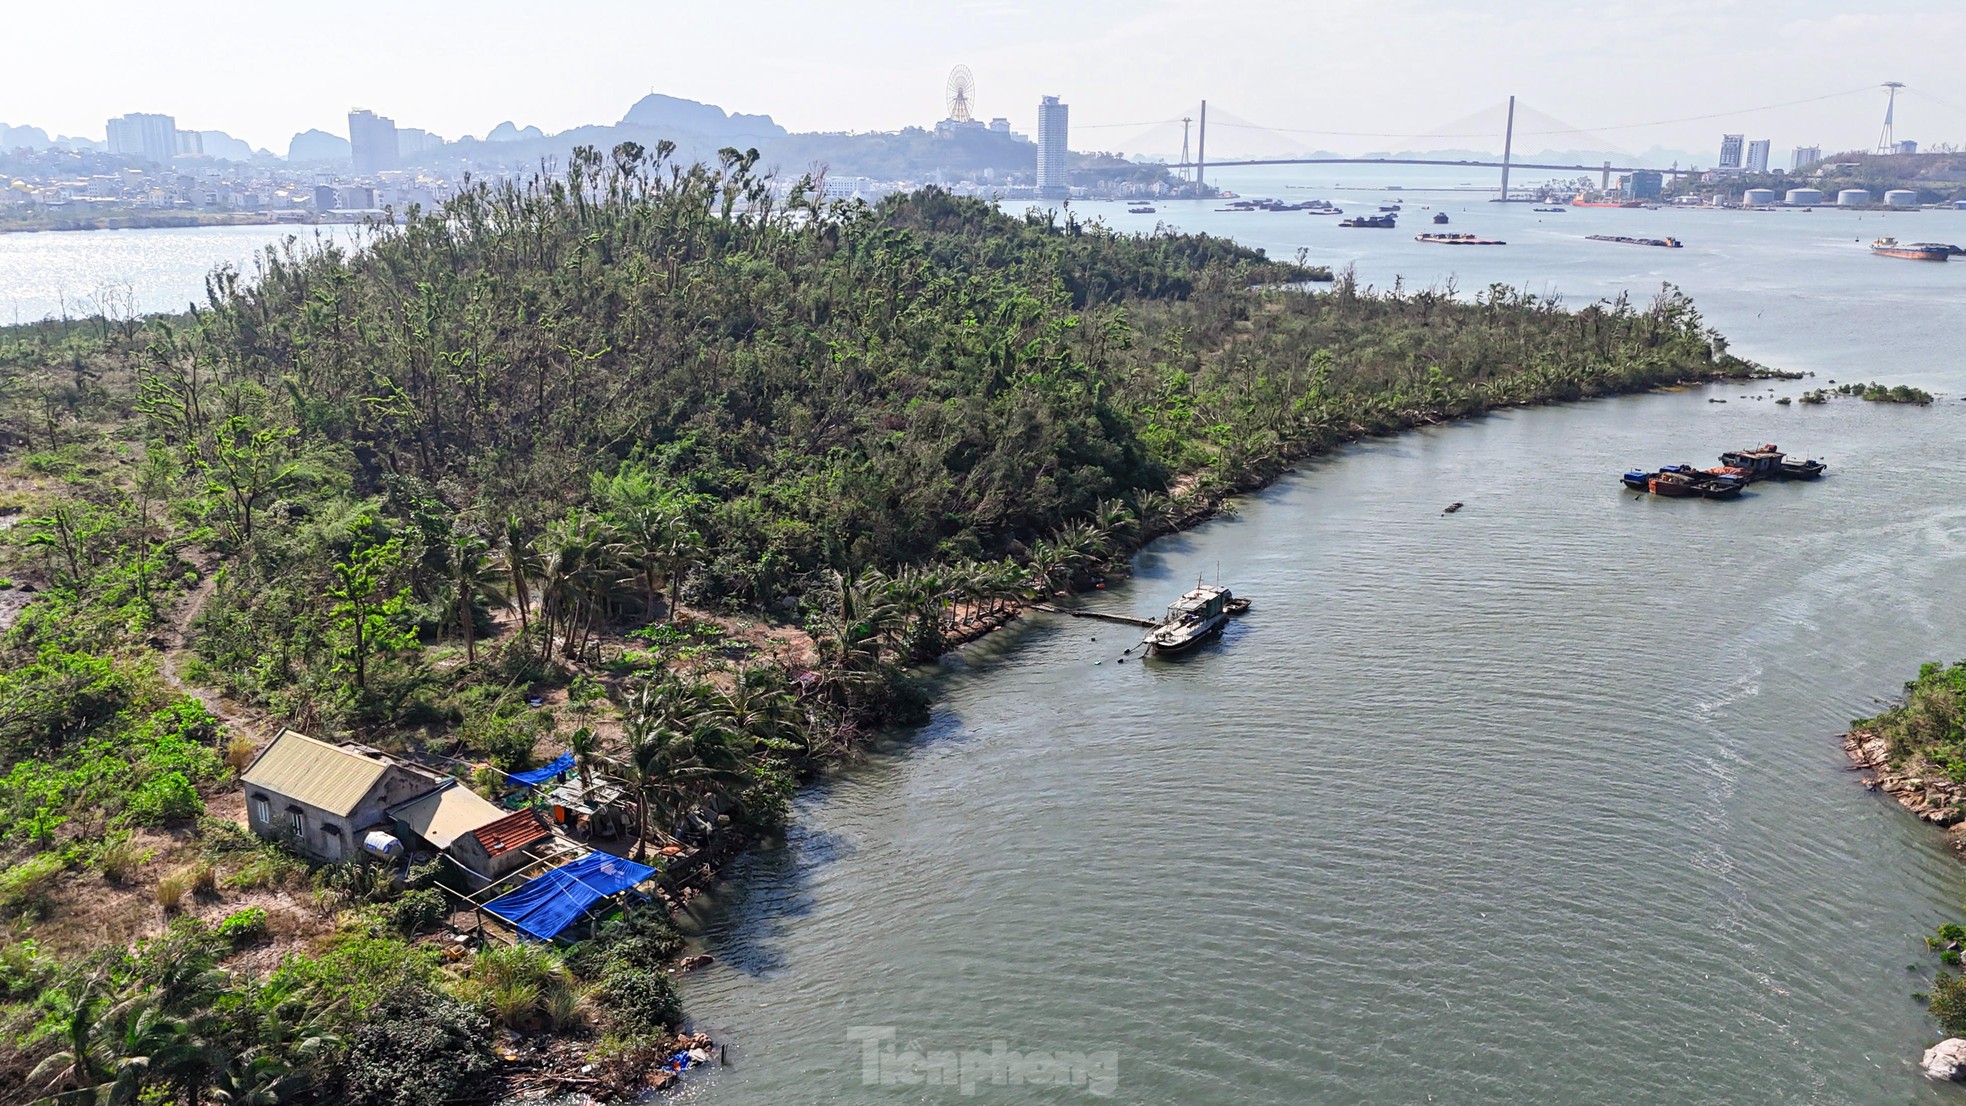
(1391, 67)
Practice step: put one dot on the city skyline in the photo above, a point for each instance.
(1107, 59)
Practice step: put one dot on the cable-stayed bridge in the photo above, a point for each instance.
(1259, 145)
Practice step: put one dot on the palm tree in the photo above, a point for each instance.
(678, 753)
(585, 745)
(75, 1071)
(517, 559)
(580, 570)
(473, 575)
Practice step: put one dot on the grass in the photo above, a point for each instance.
(171, 891)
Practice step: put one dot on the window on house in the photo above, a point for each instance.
(296, 823)
(263, 811)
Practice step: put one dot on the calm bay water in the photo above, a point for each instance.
(1536, 802)
(79, 273)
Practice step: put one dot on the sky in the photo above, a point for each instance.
(1350, 76)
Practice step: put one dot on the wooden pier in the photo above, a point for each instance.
(1127, 620)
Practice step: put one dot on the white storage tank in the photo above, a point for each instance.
(1852, 197)
(1804, 197)
(1901, 197)
(1758, 197)
(385, 845)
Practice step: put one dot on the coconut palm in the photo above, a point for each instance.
(474, 575)
(678, 753)
(521, 565)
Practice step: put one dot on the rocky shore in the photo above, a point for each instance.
(1920, 788)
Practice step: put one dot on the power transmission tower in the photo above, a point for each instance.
(1887, 142)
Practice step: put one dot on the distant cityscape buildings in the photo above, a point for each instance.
(1053, 158)
(1758, 155)
(1730, 151)
(1645, 184)
(372, 142)
(151, 137)
(1804, 157)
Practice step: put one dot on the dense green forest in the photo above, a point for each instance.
(650, 462)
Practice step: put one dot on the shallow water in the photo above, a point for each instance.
(1536, 802)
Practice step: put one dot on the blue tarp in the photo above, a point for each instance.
(552, 902)
(561, 765)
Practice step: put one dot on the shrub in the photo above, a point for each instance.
(1948, 1003)
(417, 1047)
(565, 1005)
(243, 927)
(513, 1002)
(640, 1003)
(163, 799)
(118, 857)
(417, 911)
(24, 887)
(171, 890)
(203, 879)
(641, 940)
(239, 752)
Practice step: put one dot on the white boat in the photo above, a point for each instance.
(1191, 619)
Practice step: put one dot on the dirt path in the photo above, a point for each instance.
(174, 650)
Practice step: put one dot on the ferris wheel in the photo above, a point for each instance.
(960, 93)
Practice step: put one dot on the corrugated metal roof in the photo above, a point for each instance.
(514, 832)
(314, 772)
(444, 816)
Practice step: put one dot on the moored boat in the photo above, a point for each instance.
(1674, 484)
(1758, 462)
(1458, 240)
(1626, 240)
(1911, 251)
(1141, 210)
(1191, 619)
(1440, 217)
(1376, 222)
(1800, 469)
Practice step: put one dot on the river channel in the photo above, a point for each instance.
(1540, 801)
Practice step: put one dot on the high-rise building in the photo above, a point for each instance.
(1643, 184)
(1054, 177)
(372, 141)
(151, 137)
(1804, 157)
(190, 144)
(1758, 155)
(1730, 151)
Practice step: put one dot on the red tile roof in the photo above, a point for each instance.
(506, 834)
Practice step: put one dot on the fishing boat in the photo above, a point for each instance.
(1549, 210)
(1376, 222)
(1191, 619)
(1800, 469)
(1674, 485)
(1458, 240)
(1911, 251)
(1758, 462)
(1141, 210)
(1440, 217)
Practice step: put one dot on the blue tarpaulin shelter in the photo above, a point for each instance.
(561, 765)
(555, 900)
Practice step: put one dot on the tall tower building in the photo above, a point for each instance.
(151, 137)
(372, 141)
(1730, 151)
(1758, 155)
(1054, 178)
(1804, 157)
